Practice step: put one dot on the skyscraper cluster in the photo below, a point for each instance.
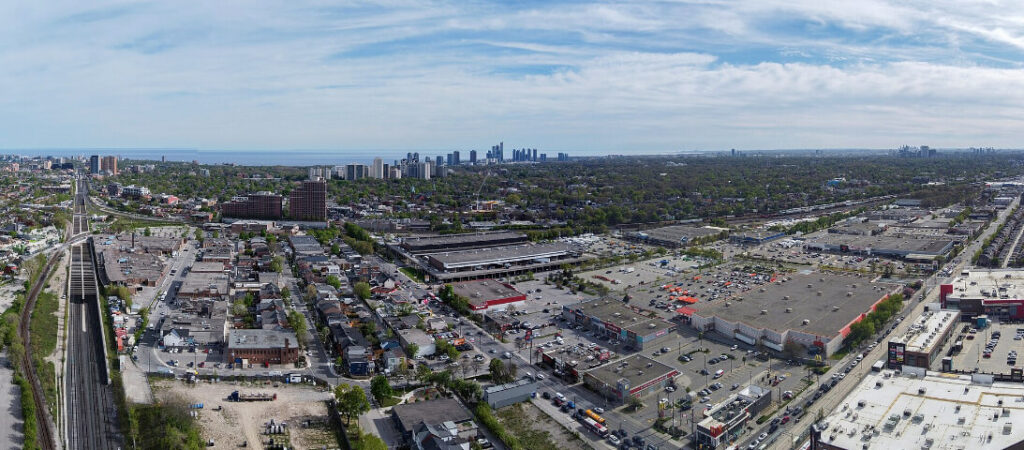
(412, 166)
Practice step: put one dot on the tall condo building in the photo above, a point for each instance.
(261, 205)
(309, 201)
(377, 170)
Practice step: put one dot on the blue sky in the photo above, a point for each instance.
(584, 77)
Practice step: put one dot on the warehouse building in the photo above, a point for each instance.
(813, 310)
(921, 345)
(498, 257)
(756, 237)
(918, 410)
(502, 395)
(506, 261)
(918, 249)
(263, 346)
(674, 236)
(635, 327)
(634, 376)
(998, 293)
(455, 242)
(488, 294)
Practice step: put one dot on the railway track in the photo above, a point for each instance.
(45, 428)
(91, 415)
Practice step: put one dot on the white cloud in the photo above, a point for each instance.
(603, 77)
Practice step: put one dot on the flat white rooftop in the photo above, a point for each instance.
(928, 330)
(938, 411)
(989, 284)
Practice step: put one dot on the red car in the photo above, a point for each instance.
(784, 420)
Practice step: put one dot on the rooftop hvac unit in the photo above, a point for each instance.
(835, 308)
(789, 310)
(809, 285)
(849, 294)
(819, 293)
(765, 311)
(805, 321)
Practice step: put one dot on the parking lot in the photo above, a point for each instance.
(984, 342)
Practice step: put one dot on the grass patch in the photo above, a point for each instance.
(389, 402)
(43, 329)
(167, 425)
(412, 273)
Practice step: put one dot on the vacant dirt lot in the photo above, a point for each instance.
(535, 430)
(236, 422)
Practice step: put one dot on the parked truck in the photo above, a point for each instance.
(237, 396)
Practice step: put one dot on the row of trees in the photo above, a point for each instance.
(866, 328)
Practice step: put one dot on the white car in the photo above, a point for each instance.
(599, 410)
(540, 376)
(612, 439)
(734, 347)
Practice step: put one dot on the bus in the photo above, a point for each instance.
(595, 427)
(591, 414)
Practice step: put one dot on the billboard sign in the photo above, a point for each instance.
(896, 355)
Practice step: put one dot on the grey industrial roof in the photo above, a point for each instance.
(462, 239)
(207, 267)
(612, 311)
(198, 282)
(676, 233)
(256, 338)
(481, 291)
(831, 302)
(911, 245)
(637, 370)
(501, 254)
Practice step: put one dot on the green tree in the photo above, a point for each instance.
(362, 290)
(423, 372)
(412, 349)
(298, 324)
(351, 401)
(334, 282)
(380, 388)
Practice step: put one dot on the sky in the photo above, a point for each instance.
(585, 77)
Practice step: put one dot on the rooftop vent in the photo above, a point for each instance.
(765, 312)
